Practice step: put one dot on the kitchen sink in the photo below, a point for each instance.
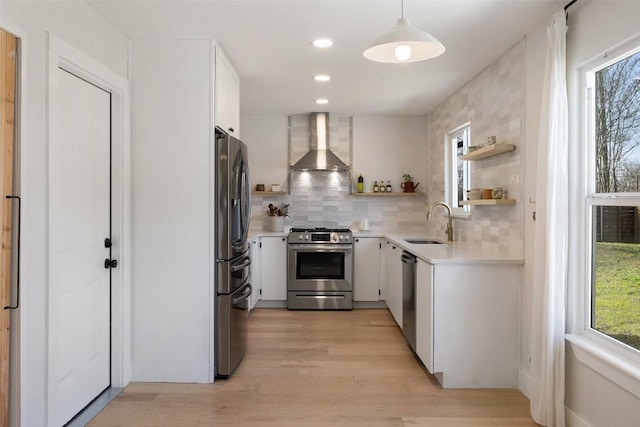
(423, 242)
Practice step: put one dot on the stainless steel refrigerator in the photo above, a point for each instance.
(233, 261)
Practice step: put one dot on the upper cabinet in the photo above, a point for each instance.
(227, 95)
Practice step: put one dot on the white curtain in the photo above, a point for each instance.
(548, 310)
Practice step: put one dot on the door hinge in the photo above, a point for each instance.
(380, 244)
(260, 291)
(379, 292)
(260, 245)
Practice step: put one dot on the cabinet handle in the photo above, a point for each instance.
(17, 305)
(357, 240)
(284, 239)
(231, 130)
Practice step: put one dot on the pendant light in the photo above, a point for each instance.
(404, 43)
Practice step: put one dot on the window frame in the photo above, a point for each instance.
(603, 353)
(451, 168)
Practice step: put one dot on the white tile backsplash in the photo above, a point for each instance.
(493, 102)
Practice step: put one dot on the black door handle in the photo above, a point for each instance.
(107, 243)
(110, 263)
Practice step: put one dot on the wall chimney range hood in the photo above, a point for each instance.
(319, 157)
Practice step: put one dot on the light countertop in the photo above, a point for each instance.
(445, 253)
(453, 252)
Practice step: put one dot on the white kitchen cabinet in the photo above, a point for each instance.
(227, 94)
(273, 261)
(467, 320)
(393, 273)
(424, 313)
(172, 213)
(256, 273)
(366, 268)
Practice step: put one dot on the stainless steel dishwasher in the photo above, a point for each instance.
(409, 297)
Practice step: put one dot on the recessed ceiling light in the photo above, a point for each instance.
(323, 43)
(322, 78)
(322, 101)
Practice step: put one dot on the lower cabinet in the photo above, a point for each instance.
(273, 262)
(393, 275)
(366, 271)
(467, 320)
(256, 273)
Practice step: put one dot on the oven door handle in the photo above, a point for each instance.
(320, 248)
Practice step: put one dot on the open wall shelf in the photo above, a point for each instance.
(396, 194)
(488, 151)
(488, 202)
(269, 193)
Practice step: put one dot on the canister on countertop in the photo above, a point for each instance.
(474, 194)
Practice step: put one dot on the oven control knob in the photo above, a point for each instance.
(306, 237)
(341, 237)
(346, 238)
(300, 237)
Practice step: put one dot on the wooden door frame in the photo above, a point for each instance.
(9, 240)
(62, 55)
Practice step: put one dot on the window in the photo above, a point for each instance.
(457, 177)
(613, 199)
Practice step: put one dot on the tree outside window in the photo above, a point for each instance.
(615, 227)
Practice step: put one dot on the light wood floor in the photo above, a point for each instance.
(319, 368)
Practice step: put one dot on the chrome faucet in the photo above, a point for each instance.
(449, 224)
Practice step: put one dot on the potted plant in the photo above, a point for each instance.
(407, 184)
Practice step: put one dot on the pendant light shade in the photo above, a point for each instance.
(404, 43)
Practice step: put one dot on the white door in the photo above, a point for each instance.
(79, 221)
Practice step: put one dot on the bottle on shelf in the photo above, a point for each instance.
(360, 187)
(383, 189)
(375, 186)
(389, 187)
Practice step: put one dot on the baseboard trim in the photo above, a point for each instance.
(271, 304)
(524, 383)
(356, 304)
(573, 420)
(369, 304)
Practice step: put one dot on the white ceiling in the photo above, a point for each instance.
(269, 43)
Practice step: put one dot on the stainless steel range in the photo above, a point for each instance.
(320, 269)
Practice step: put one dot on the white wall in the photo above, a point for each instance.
(80, 26)
(384, 147)
(266, 138)
(387, 147)
(595, 27)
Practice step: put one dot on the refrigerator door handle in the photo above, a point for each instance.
(246, 196)
(242, 266)
(244, 295)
